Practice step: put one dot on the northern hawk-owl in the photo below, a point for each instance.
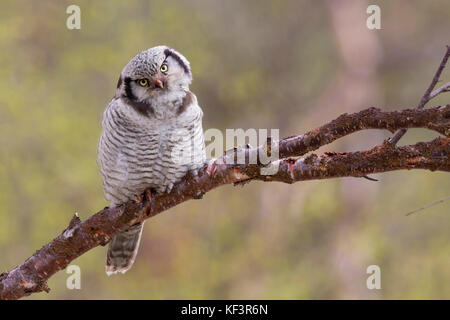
(152, 136)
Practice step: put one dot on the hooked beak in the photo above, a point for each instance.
(159, 83)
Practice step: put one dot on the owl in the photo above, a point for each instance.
(151, 137)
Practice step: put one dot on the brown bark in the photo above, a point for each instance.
(81, 236)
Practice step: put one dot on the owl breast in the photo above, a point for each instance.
(137, 152)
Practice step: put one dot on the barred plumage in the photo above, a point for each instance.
(151, 138)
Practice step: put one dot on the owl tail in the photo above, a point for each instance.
(123, 249)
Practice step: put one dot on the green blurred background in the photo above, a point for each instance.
(291, 65)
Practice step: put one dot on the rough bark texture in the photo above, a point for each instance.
(81, 236)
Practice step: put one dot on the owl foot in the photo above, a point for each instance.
(147, 196)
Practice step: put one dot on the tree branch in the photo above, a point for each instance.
(429, 93)
(81, 236)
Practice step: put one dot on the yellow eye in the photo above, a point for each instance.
(143, 82)
(164, 68)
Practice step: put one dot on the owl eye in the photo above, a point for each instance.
(164, 68)
(143, 82)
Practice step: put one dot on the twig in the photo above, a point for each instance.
(428, 206)
(444, 88)
(426, 97)
(429, 93)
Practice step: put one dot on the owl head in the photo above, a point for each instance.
(154, 73)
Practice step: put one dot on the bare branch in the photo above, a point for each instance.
(429, 93)
(427, 96)
(81, 236)
(428, 205)
(435, 119)
(444, 88)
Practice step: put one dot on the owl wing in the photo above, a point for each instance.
(191, 118)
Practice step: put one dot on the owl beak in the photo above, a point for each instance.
(159, 83)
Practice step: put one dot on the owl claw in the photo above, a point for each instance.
(147, 196)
